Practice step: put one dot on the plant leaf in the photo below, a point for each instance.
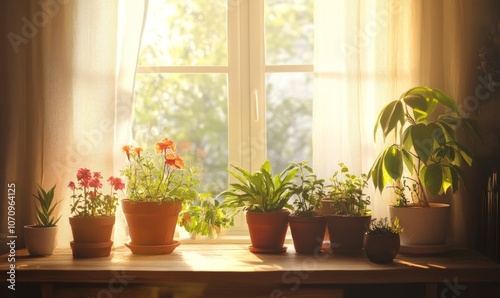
(445, 100)
(389, 117)
(432, 178)
(422, 142)
(393, 162)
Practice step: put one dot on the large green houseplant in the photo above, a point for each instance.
(265, 198)
(425, 160)
(40, 238)
(349, 214)
(306, 225)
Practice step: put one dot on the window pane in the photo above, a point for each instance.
(190, 109)
(289, 31)
(190, 32)
(289, 118)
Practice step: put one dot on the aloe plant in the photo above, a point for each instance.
(425, 123)
(45, 210)
(260, 191)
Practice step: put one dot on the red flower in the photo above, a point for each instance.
(95, 182)
(116, 182)
(72, 185)
(83, 173)
(84, 182)
(97, 175)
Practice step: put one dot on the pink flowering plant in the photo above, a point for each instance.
(88, 197)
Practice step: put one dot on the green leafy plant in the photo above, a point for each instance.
(308, 191)
(347, 193)
(260, 191)
(205, 216)
(160, 177)
(425, 123)
(88, 199)
(46, 207)
(383, 226)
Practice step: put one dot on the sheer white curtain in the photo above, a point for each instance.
(106, 44)
(367, 52)
(69, 101)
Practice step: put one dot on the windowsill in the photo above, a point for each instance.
(234, 266)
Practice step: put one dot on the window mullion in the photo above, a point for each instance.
(238, 99)
(238, 132)
(257, 107)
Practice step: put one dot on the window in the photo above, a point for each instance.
(230, 81)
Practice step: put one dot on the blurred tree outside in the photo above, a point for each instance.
(191, 109)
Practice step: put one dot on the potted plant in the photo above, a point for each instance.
(381, 241)
(425, 160)
(40, 238)
(157, 186)
(205, 217)
(265, 198)
(306, 225)
(93, 214)
(349, 216)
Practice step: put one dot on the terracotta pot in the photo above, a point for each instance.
(347, 232)
(40, 241)
(326, 209)
(307, 233)
(91, 250)
(381, 248)
(423, 226)
(92, 236)
(150, 223)
(92, 229)
(267, 230)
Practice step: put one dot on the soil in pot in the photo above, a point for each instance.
(381, 248)
(347, 232)
(267, 231)
(307, 233)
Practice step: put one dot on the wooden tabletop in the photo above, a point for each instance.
(234, 263)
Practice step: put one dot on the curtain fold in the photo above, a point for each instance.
(71, 94)
(369, 52)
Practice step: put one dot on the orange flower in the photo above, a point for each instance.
(127, 149)
(138, 151)
(179, 162)
(163, 145)
(174, 161)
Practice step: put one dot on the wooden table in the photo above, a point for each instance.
(230, 270)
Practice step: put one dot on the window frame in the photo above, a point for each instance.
(246, 73)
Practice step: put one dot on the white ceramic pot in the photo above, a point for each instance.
(423, 226)
(40, 241)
